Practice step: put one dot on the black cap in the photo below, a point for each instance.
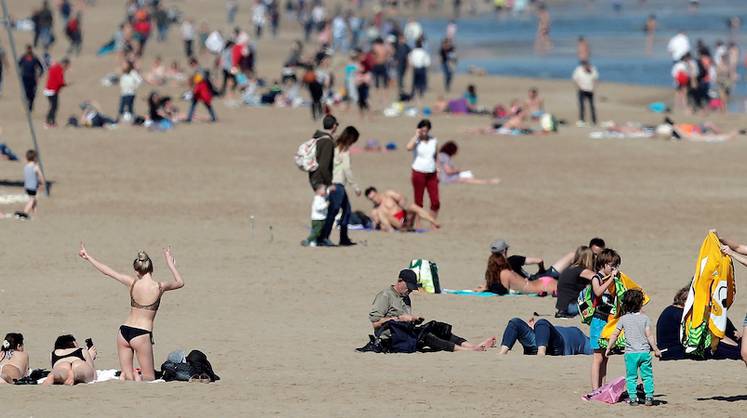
(410, 278)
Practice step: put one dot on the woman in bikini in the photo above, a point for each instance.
(14, 362)
(135, 336)
(500, 279)
(71, 364)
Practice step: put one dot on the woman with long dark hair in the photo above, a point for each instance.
(500, 279)
(342, 176)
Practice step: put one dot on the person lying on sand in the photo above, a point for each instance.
(14, 361)
(71, 364)
(392, 212)
(543, 338)
(393, 304)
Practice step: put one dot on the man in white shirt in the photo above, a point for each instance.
(419, 60)
(678, 46)
(585, 76)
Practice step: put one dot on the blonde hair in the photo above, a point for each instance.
(584, 257)
(142, 264)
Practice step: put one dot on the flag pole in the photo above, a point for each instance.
(6, 22)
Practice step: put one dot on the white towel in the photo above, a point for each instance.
(9, 199)
(103, 376)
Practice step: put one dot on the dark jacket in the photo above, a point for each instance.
(325, 154)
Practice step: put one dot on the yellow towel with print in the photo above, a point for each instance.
(711, 294)
(622, 283)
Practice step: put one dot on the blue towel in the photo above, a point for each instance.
(467, 292)
(5, 150)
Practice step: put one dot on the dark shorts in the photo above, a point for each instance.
(30, 192)
(551, 272)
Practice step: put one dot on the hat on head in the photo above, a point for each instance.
(410, 278)
(498, 246)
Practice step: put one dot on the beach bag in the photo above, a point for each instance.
(586, 304)
(610, 393)
(305, 157)
(549, 123)
(427, 272)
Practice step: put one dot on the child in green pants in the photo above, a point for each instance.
(639, 341)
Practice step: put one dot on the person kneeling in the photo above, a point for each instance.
(400, 331)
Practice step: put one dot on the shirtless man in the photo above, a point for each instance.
(392, 212)
(535, 105)
(381, 55)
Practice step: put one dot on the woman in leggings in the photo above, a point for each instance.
(135, 336)
(543, 338)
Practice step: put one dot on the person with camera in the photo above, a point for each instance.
(393, 304)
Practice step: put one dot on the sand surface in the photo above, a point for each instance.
(280, 322)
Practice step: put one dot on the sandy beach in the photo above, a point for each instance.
(280, 322)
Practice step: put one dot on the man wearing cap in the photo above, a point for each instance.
(393, 304)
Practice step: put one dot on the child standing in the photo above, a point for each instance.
(608, 262)
(639, 341)
(318, 214)
(33, 181)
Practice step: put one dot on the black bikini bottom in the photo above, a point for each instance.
(128, 333)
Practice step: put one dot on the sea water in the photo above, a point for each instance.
(504, 44)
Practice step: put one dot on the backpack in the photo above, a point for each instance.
(427, 272)
(305, 157)
(587, 304)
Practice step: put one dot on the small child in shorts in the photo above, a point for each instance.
(318, 214)
(639, 341)
(33, 181)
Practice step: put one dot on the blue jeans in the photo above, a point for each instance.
(127, 104)
(338, 200)
(544, 334)
(448, 75)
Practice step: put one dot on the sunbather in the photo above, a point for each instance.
(14, 361)
(71, 364)
(392, 211)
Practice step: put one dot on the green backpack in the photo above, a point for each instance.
(427, 272)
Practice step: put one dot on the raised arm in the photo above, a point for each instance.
(104, 269)
(413, 141)
(599, 288)
(177, 283)
(734, 255)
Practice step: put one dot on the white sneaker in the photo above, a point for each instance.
(580, 124)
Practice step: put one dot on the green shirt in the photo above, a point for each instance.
(388, 304)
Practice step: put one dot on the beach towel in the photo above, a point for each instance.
(468, 292)
(104, 376)
(622, 283)
(711, 294)
(6, 151)
(107, 48)
(610, 393)
(458, 106)
(9, 199)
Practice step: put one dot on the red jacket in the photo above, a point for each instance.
(201, 92)
(56, 78)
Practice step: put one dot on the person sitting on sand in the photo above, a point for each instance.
(394, 304)
(517, 262)
(535, 105)
(14, 361)
(668, 334)
(71, 364)
(500, 278)
(573, 280)
(392, 212)
(135, 336)
(157, 74)
(450, 174)
(543, 338)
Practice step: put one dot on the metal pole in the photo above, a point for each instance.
(24, 101)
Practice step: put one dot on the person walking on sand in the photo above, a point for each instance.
(419, 60)
(55, 83)
(325, 153)
(448, 62)
(33, 182)
(128, 84)
(424, 174)
(202, 91)
(585, 76)
(135, 337)
(31, 70)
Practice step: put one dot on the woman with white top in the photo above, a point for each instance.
(342, 176)
(424, 175)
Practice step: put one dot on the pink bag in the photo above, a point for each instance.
(611, 392)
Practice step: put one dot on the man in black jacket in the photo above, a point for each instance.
(325, 153)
